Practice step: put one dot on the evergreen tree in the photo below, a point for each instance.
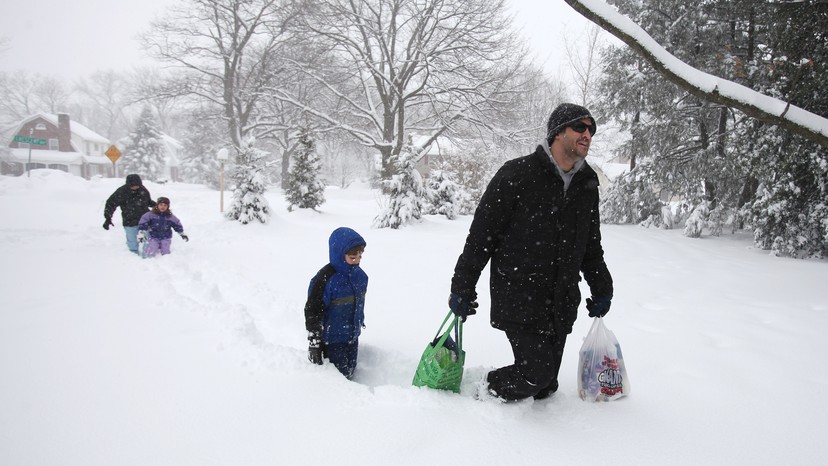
(707, 154)
(443, 195)
(405, 193)
(304, 187)
(790, 211)
(789, 206)
(249, 202)
(144, 153)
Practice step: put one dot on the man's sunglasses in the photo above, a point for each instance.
(580, 127)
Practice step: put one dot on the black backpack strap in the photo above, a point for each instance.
(315, 307)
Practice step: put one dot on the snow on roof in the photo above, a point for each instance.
(76, 128)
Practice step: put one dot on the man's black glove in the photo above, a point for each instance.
(314, 348)
(107, 223)
(462, 306)
(185, 237)
(598, 306)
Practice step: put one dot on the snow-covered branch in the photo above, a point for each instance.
(701, 84)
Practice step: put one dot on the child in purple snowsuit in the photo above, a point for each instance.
(156, 228)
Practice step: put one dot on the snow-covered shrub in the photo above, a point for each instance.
(405, 194)
(443, 195)
(694, 225)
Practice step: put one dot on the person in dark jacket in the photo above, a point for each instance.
(538, 223)
(335, 309)
(134, 200)
(156, 227)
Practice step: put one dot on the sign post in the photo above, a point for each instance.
(30, 140)
(113, 154)
(222, 156)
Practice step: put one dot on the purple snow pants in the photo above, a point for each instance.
(157, 245)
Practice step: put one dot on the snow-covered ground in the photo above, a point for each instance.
(199, 358)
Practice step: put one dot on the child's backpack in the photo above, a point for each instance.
(315, 307)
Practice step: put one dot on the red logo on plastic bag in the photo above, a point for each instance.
(610, 379)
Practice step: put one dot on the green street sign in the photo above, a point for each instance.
(29, 140)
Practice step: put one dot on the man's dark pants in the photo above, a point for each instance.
(535, 371)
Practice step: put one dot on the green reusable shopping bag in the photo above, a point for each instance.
(441, 365)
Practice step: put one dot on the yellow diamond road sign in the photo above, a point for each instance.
(113, 153)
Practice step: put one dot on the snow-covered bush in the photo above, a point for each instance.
(443, 195)
(405, 194)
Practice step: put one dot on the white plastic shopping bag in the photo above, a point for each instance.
(602, 375)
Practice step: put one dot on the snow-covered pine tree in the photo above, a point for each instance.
(444, 196)
(304, 188)
(405, 193)
(249, 202)
(704, 153)
(144, 152)
(790, 213)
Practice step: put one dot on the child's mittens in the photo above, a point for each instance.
(314, 348)
(185, 237)
(142, 236)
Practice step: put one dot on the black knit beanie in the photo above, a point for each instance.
(562, 116)
(133, 180)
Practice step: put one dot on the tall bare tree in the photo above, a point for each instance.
(583, 54)
(23, 95)
(102, 100)
(227, 49)
(397, 67)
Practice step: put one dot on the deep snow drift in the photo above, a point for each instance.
(200, 357)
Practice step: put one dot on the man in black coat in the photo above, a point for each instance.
(538, 223)
(134, 200)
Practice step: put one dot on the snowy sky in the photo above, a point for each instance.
(74, 39)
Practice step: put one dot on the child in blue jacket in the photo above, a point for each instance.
(156, 227)
(335, 310)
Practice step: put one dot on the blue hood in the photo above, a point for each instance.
(342, 239)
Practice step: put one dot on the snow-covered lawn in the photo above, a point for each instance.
(199, 358)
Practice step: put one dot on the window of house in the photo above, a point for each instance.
(53, 144)
(40, 127)
(58, 166)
